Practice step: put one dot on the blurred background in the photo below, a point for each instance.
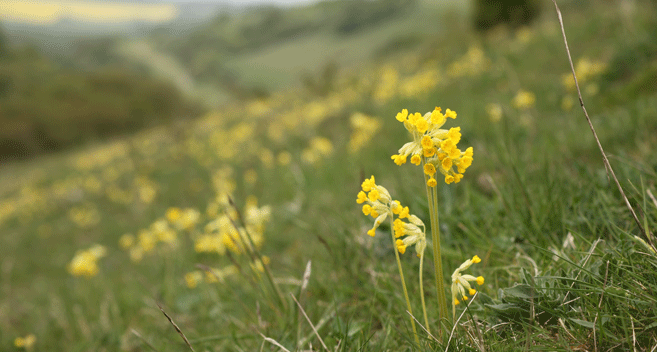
(76, 71)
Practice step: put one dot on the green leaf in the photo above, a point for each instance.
(519, 291)
(584, 323)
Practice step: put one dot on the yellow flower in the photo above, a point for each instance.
(379, 204)
(173, 214)
(461, 283)
(433, 145)
(399, 159)
(494, 112)
(193, 278)
(25, 342)
(524, 100)
(126, 241)
(84, 263)
(414, 235)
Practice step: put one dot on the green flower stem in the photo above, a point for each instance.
(432, 198)
(401, 275)
(424, 306)
(437, 258)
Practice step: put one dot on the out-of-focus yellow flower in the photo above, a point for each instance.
(585, 69)
(147, 240)
(84, 216)
(173, 214)
(421, 82)
(524, 100)
(193, 278)
(567, 103)
(126, 241)
(25, 342)
(136, 254)
(364, 127)
(473, 63)
(319, 148)
(146, 190)
(387, 85)
(591, 89)
(84, 263)
(209, 243)
(284, 158)
(494, 112)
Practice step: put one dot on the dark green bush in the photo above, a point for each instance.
(44, 107)
(515, 13)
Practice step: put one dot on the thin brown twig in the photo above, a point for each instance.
(610, 171)
(176, 327)
(422, 326)
(134, 332)
(456, 323)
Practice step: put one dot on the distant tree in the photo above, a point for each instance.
(515, 13)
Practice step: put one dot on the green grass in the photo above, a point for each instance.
(537, 177)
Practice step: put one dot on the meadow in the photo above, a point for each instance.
(243, 225)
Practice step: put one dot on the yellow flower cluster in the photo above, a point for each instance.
(319, 148)
(421, 82)
(461, 284)
(25, 342)
(379, 205)
(84, 216)
(494, 112)
(192, 279)
(183, 219)
(225, 233)
(434, 147)
(364, 128)
(84, 263)
(387, 85)
(412, 232)
(471, 64)
(585, 69)
(148, 239)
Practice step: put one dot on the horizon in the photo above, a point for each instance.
(44, 13)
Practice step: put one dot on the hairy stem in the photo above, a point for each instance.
(401, 275)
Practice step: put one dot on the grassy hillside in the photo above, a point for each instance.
(49, 106)
(218, 219)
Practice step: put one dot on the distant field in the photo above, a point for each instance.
(49, 12)
(280, 65)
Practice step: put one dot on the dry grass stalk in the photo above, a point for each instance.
(610, 171)
(176, 327)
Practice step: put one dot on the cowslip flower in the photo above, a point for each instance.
(524, 100)
(433, 146)
(378, 202)
(412, 233)
(461, 283)
(84, 263)
(25, 342)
